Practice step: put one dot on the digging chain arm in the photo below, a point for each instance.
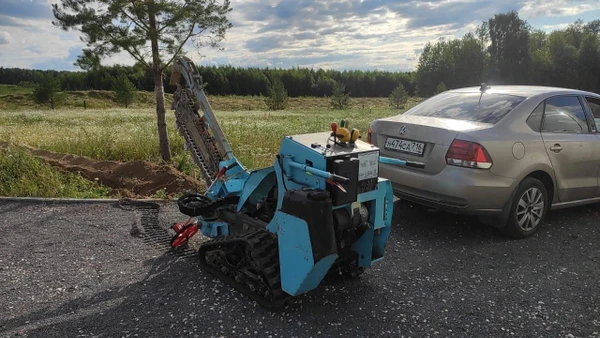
(196, 121)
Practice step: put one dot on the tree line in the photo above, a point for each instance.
(503, 50)
(227, 80)
(506, 50)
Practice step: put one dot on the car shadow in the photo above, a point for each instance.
(412, 220)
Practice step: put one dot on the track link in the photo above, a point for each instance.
(249, 263)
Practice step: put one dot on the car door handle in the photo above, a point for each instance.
(556, 148)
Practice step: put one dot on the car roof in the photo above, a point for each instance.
(522, 90)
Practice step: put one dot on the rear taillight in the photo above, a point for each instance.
(369, 135)
(468, 154)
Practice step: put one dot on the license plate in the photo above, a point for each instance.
(405, 146)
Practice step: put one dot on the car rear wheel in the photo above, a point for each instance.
(528, 209)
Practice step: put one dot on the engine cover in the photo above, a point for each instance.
(359, 162)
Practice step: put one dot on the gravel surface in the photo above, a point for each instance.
(80, 270)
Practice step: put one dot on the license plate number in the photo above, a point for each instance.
(404, 146)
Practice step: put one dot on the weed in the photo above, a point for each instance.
(23, 175)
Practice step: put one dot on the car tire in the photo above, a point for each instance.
(528, 209)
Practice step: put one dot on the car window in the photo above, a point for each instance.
(534, 121)
(594, 105)
(466, 106)
(564, 114)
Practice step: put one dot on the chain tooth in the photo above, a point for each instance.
(185, 111)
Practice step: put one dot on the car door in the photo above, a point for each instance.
(593, 103)
(570, 144)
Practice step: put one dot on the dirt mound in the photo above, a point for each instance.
(130, 179)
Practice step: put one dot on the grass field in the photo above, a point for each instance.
(130, 134)
(11, 89)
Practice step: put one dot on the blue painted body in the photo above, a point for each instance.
(299, 272)
(297, 167)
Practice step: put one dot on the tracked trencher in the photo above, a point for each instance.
(277, 232)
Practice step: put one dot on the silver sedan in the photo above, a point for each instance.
(505, 153)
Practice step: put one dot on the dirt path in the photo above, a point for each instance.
(129, 179)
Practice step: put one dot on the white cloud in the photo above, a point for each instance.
(37, 41)
(556, 8)
(341, 34)
(5, 38)
(550, 28)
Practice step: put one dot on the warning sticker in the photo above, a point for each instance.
(369, 165)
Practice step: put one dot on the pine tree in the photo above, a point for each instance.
(125, 91)
(339, 98)
(441, 87)
(398, 97)
(153, 32)
(277, 96)
(47, 90)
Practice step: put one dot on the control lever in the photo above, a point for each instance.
(225, 168)
(340, 179)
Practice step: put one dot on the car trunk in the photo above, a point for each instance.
(402, 137)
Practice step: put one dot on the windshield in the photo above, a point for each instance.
(464, 106)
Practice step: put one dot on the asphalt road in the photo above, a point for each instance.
(80, 271)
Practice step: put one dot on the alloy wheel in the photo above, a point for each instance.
(530, 209)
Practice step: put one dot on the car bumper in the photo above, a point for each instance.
(455, 189)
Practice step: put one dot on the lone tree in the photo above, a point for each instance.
(153, 32)
(339, 98)
(277, 95)
(398, 97)
(47, 90)
(125, 91)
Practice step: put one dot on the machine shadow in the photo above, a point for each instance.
(145, 296)
(173, 289)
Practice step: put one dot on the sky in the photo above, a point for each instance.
(328, 34)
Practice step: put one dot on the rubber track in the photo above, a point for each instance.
(264, 253)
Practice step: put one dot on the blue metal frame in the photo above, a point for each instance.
(300, 272)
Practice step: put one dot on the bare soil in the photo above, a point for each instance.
(136, 179)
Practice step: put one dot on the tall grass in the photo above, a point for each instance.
(130, 134)
(22, 175)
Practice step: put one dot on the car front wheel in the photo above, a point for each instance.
(528, 209)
